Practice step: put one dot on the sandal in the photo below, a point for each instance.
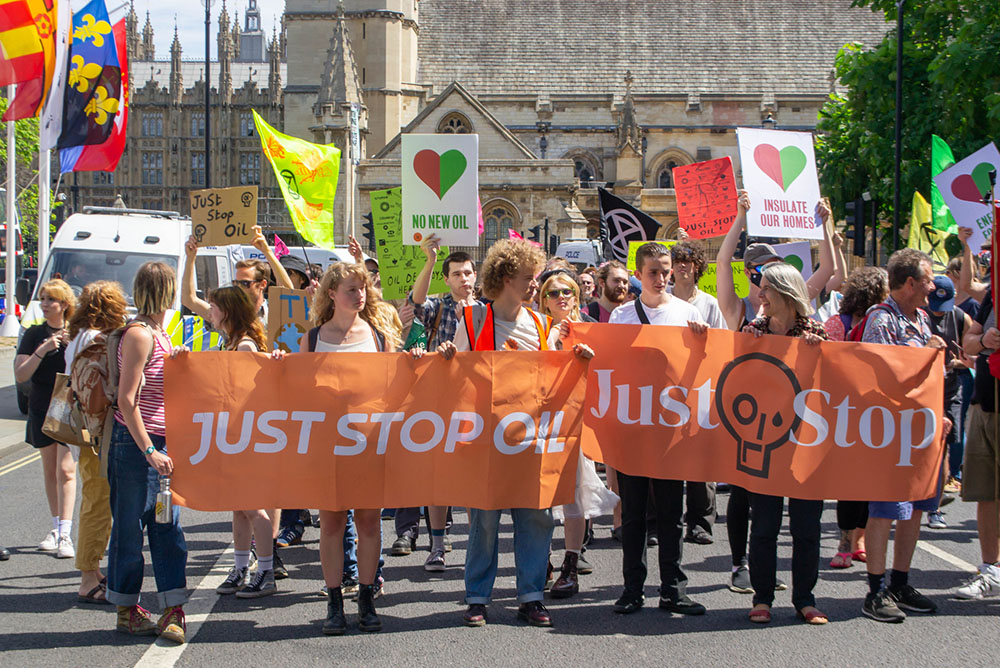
(95, 596)
(860, 555)
(814, 617)
(841, 560)
(760, 615)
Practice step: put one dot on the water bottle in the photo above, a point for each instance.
(164, 502)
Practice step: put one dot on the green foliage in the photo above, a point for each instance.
(26, 138)
(951, 87)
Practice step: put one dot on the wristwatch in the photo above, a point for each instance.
(149, 451)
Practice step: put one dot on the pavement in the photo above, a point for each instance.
(43, 625)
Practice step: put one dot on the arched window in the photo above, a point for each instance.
(583, 171)
(665, 179)
(498, 217)
(454, 124)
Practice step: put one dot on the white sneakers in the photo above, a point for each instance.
(61, 545)
(51, 542)
(984, 585)
(65, 549)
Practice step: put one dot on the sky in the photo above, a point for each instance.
(190, 17)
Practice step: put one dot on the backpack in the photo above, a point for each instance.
(94, 378)
(858, 331)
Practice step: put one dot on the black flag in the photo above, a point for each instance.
(624, 223)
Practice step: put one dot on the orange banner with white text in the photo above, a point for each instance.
(847, 421)
(336, 431)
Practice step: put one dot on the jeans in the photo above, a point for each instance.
(956, 456)
(134, 485)
(668, 496)
(532, 537)
(804, 522)
(94, 526)
(351, 549)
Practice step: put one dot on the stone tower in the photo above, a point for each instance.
(274, 70)
(383, 34)
(131, 40)
(148, 47)
(225, 45)
(176, 78)
(251, 38)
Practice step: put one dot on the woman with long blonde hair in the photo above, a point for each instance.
(349, 316)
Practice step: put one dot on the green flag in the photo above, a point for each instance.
(307, 174)
(941, 159)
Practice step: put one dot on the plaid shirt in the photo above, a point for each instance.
(428, 313)
(893, 328)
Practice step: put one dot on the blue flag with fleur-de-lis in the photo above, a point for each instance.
(93, 80)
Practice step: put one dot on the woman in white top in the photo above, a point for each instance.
(349, 317)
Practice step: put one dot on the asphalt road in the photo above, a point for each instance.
(43, 625)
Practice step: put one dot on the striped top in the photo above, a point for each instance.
(151, 394)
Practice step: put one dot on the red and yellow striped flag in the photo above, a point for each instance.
(28, 52)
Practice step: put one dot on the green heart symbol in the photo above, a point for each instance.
(453, 164)
(793, 161)
(981, 177)
(794, 260)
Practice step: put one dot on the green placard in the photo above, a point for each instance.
(398, 264)
(707, 281)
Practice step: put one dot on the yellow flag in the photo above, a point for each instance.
(923, 236)
(307, 174)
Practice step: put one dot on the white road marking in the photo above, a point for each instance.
(163, 654)
(931, 548)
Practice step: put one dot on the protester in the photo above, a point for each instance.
(784, 301)
(979, 480)
(232, 313)
(970, 305)
(137, 460)
(560, 297)
(950, 323)
(297, 270)
(738, 313)
(440, 317)
(347, 317)
(900, 321)
(689, 264)
(101, 309)
(864, 288)
(655, 306)
(588, 285)
(39, 359)
(968, 281)
(508, 278)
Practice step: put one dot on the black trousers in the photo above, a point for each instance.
(668, 495)
(738, 523)
(408, 521)
(700, 506)
(852, 515)
(804, 522)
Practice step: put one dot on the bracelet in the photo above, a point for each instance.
(981, 344)
(35, 354)
(150, 450)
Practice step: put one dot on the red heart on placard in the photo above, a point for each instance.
(964, 188)
(768, 159)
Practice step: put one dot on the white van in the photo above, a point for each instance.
(310, 255)
(581, 253)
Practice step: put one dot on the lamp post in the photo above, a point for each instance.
(897, 196)
(208, 93)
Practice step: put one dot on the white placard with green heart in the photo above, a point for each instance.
(440, 179)
(779, 171)
(965, 187)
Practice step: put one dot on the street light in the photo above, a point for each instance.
(897, 197)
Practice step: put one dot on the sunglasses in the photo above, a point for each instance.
(243, 283)
(559, 292)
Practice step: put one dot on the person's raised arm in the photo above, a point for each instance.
(189, 294)
(825, 272)
(729, 302)
(354, 248)
(975, 289)
(430, 247)
(281, 278)
(840, 264)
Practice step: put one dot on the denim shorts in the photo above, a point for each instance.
(901, 510)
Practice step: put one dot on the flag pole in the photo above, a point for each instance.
(44, 205)
(10, 325)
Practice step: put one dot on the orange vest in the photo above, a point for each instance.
(487, 336)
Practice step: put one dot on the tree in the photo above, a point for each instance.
(26, 137)
(951, 87)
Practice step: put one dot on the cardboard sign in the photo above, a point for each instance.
(399, 265)
(440, 177)
(779, 171)
(287, 317)
(706, 197)
(374, 430)
(964, 186)
(707, 281)
(773, 414)
(223, 216)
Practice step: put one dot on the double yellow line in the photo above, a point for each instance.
(18, 463)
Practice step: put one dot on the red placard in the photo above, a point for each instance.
(706, 197)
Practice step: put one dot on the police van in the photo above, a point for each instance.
(105, 243)
(581, 253)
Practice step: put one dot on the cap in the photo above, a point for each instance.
(293, 263)
(943, 297)
(758, 254)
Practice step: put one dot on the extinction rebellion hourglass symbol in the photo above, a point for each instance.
(756, 410)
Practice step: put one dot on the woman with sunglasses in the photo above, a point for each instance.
(560, 300)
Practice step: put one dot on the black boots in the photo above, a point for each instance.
(336, 623)
(567, 584)
(367, 619)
